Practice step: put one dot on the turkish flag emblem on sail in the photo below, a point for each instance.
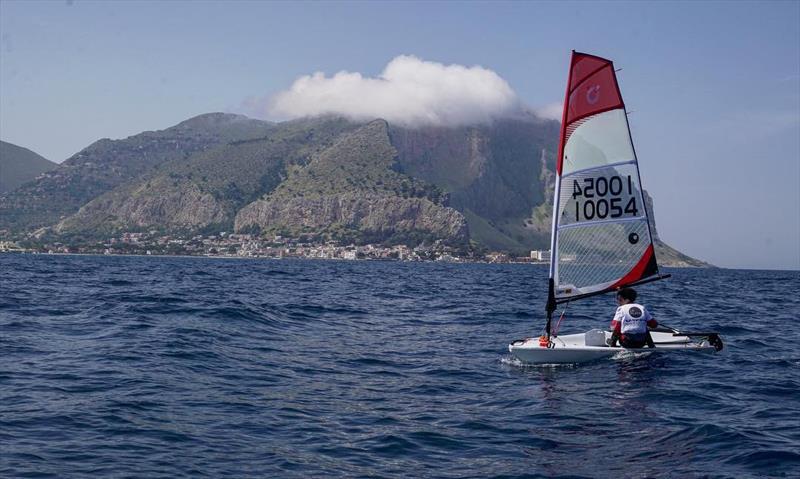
(593, 88)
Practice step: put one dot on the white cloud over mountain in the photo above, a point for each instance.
(551, 111)
(409, 91)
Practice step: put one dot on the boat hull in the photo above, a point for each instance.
(572, 348)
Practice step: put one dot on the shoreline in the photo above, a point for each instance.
(385, 260)
(237, 257)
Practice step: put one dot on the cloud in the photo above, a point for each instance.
(550, 112)
(409, 92)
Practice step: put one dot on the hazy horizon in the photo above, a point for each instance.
(713, 88)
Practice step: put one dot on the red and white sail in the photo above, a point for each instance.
(601, 236)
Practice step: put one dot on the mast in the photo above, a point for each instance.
(551, 298)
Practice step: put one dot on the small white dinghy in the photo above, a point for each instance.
(591, 345)
(600, 239)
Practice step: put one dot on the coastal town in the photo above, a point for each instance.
(232, 245)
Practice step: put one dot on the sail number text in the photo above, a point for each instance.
(602, 198)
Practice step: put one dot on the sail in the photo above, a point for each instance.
(601, 237)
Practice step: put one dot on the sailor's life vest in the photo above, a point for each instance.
(632, 319)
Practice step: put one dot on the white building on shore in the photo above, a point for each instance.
(540, 255)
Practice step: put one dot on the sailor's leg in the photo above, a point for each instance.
(649, 339)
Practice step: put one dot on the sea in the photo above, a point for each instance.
(176, 367)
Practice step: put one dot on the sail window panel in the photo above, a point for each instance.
(600, 140)
(593, 257)
(601, 194)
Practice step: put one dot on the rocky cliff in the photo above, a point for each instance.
(353, 192)
(496, 175)
(355, 217)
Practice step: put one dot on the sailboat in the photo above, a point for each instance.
(600, 239)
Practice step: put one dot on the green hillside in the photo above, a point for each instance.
(107, 164)
(205, 190)
(19, 165)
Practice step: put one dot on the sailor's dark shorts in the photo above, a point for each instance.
(633, 340)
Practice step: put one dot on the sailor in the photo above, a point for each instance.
(630, 322)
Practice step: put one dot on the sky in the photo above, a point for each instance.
(713, 87)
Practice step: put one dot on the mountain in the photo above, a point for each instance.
(107, 164)
(325, 178)
(352, 191)
(203, 192)
(19, 165)
(496, 175)
(477, 180)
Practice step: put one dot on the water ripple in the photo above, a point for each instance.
(190, 367)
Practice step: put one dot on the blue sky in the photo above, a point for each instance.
(714, 87)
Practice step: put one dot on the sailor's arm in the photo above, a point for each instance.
(651, 321)
(616, 323)
(616, 328)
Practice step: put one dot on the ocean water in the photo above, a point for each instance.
(195, 367)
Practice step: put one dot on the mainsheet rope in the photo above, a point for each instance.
(558, 324)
